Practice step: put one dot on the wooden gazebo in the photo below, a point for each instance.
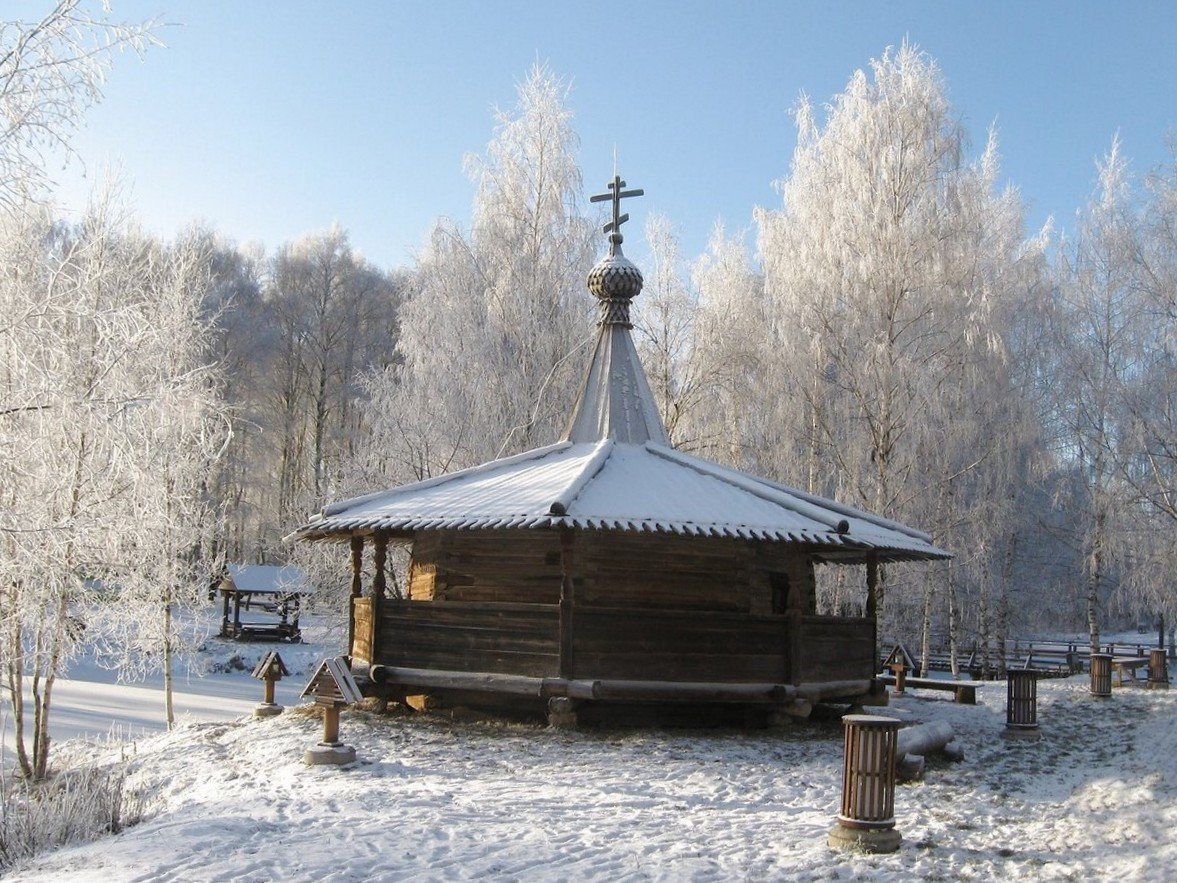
(609, 568)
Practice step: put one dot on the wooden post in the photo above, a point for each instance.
(867, 820)
(224, 614)
(357, 589)
(331, 724)
(872, 586)
(899, 669)
(379, 559)
(872, 601)
(567, 592)
(269, 682)
(236, 613)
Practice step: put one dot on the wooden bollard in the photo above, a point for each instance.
(1158, 672)
(1021, 704)
(1101, 674)
(270, 669)
(867, 819)
(332, 687)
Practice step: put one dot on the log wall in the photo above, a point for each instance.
(664, 645)
(835, 648)
(611, 569)
(618, 643)
(513, 566)
(508, 638)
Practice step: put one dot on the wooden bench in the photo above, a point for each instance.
(1130, 664)
(963, 691)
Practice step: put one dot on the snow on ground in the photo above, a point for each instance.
(432, 798)
(214, 685)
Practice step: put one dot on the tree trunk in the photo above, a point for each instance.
(167, 665)
(926, 624)
(953, 622)
(1094, 579)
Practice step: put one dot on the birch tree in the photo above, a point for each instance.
(1099, 323)
(99, 416)
(52, 71)
(178, 427)
(496, 317)
(666, 328)
(885, 273)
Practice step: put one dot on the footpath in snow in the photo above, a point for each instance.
(430, 798)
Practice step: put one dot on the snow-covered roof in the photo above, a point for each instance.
(267, 577)
(615, 469)
(612, 485)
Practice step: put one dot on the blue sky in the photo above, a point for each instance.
(270, 119)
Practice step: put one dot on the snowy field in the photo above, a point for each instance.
(214, 685)
(431, 798)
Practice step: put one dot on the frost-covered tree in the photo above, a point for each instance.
(104, 424)
(52, 71)
(888, 275)
(666, 327)
(1100, 320)
(730, 338)
(496, 317)
(178, 428)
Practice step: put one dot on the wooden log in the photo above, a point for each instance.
(667, 691)
(516, 685)
(924, 738)
(910, 767)
(819, 692)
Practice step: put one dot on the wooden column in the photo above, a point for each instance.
(567, 592)
(872, 603)
(872, 586)
(225, 614)
(357, 589)
(379, 584)
(330, 724)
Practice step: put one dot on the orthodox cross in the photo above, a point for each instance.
(616, 194)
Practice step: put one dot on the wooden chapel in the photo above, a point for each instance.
(609, 571)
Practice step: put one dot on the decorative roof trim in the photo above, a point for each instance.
(859, 542)
(588, 473)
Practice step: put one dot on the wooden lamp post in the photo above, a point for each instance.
(270, 669)
(333, 688)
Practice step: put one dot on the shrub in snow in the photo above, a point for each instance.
(73, 806)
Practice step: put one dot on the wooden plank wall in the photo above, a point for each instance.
(836, 648)
(664, 645)
(509, 638)
(361, 648)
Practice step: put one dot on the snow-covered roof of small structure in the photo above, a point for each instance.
(267, 577)
(615, 469)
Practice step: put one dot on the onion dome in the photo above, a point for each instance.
(615, 281)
